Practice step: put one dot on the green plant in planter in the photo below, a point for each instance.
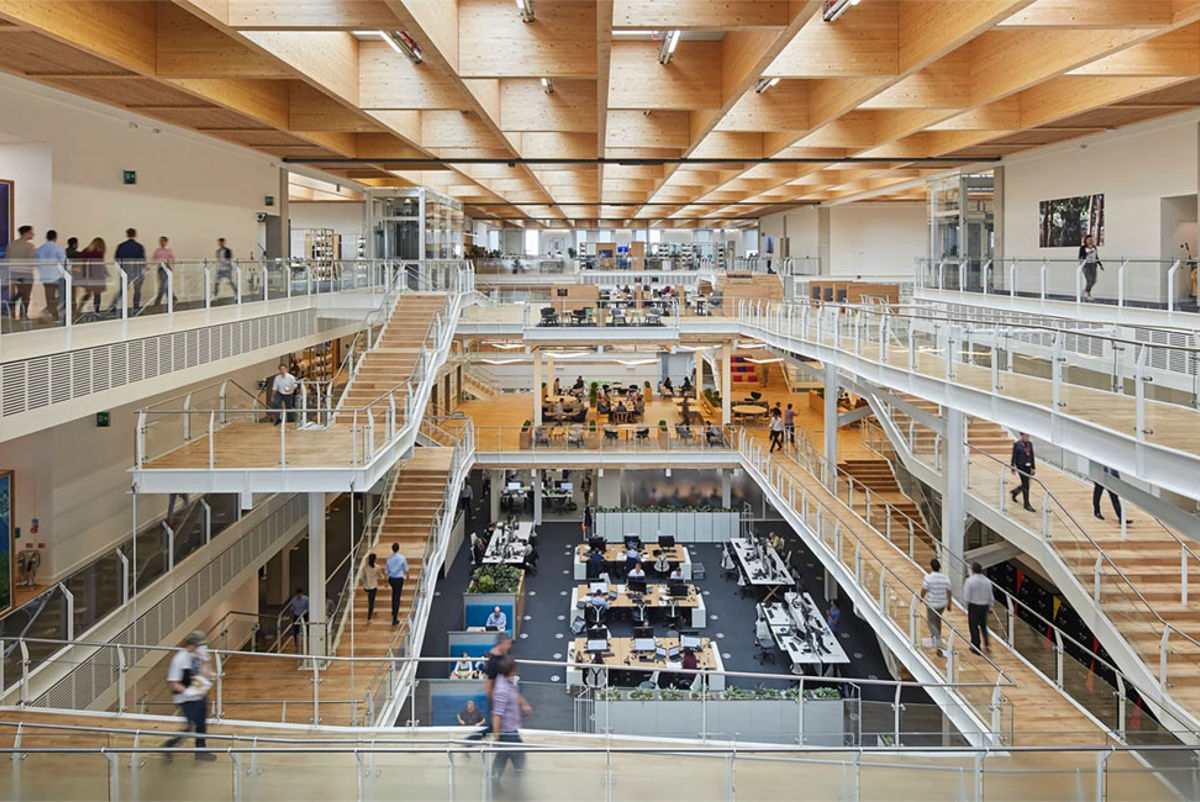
(733, 693)
(594, 393)
(495, 579)
(760, 692)
(662, 425)
(822, 693)
(641, 694)
(591, 426)
(610, 695)
(698, 695)
(671, 694)
(526, 426)
(792, 692)
(570, 253)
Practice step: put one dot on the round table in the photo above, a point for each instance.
(565, 399)
(748, 410)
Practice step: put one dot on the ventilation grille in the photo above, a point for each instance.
(38, 382)
(96, 674)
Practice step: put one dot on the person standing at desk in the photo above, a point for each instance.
(497, 620)
(397, 569)
(1024, 465)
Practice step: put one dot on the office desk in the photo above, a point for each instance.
(620, 656)
(655, 598)
(509, 547)
(801, 632)
(615, 553)
(761, 566)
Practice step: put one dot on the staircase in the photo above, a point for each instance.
(876, 475)
(393, 359)
(476, 387)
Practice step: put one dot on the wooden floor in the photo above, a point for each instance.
(251, 441)
(253, 687)
(1141, 573)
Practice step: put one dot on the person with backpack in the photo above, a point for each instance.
(190, 677)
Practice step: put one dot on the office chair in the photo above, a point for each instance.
(757, 396)
(764, 652)
(728, 566)
(651, 683)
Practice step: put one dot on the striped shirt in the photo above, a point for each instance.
(937, 589)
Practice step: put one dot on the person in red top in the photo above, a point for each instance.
(93, 274)
(164, 259)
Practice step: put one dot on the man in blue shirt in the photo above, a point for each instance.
(396, 567)
(50, 257)
(299, 608)
(497, 619)
(599, 601)
(131, 257)
(508, 708)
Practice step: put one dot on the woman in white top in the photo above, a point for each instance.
(776, 430)
(372, 575)
(464, 668)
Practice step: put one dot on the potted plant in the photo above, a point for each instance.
(594, 393)
(641, 695)
(648, 392)
(526, 436)
(491, 586)
(672, 694)
(570, 252)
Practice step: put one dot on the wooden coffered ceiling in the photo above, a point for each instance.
(885, 88)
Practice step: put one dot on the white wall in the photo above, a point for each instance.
(74, 478)
(801, 230)
(876, 238)
(344, 218)
(1135, 168)
(190, 188)
(28, 165)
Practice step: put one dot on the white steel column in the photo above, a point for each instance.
(549, 374)
(316, 573)
(831, 421)
(726, 488)
(497, 489)
(537, 498)
(537, 388)
(726, 355)
(953, 512)
(699, 388)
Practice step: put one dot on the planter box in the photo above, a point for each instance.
(477, 607)
(687, 527)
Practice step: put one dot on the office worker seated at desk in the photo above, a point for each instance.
(598, 600)
(686, 387)
(470, 715)
(677, 573)
(774, 541)
(465, 668)
(713, 434)
(637, 572)
(632, 557)
(497, 620)
(578, 383)
(662, 565)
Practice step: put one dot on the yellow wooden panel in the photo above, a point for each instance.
(1174, 53)
(405, 123)
(939, 86)
(388, 80)
(723, 15)
(1094, 13)
(494, 42)
(329, 59)
(1066, 95)
(661, 129)
(691, 81)
(556, 145)
(929, 29)
(266, 101)
(1001, 114)
(525, 106)
(438, 21)
(311, 110)
(123, 33)
(783, 106)
(188, 47)
(282, 15)
(733, 145)
(864, 41)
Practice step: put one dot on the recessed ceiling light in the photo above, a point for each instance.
(765, 83)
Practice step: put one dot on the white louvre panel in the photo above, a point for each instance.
(46, 380)
(97, 673)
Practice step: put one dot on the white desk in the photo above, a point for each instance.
(761, 566)
(615, 552)
(509, 546)
(655, 598)
(801, 632)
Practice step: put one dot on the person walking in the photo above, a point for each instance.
(164, 259)
(935, 591)
(1025, 466)
(789, 424)
(94, 273)
(51, 260)
(131, 258)
(508, 707)
(1089, 259)
(397, 568)
(465, 498)
(224, 268)
(776, 426)
(283, 388)
(371, 576)
(72, 251)
(589, 521)
(299, 609)
(977, 592)
(190, 677)
(20, 253)
(1098, 493)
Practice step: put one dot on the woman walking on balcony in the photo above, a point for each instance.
(1090, 260)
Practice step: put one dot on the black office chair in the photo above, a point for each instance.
(549, 316)
(764, 652)
(642, 433)
(757, 396)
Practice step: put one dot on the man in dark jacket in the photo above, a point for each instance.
(1024, 466)
(131, 257)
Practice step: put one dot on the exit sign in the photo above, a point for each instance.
(129, 176)
(102, 419)
(269, 200)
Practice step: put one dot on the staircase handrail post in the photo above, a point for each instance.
(1172, 271)
(1121, 272)
(1045, 269)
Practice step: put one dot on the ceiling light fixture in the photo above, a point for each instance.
(836, 8)
(765, 83)
(667, 48)
(526, 9)
(548, 86)
(404, 44)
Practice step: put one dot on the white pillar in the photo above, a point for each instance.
(285, 212)
(316, 573)
(726, 356)
(726, 488)
(537, 388)
(953, 513)
(549, 374)
(699, 388)
(537, 498)
(831, 421)
(497, 490)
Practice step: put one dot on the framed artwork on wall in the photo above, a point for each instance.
(1064, 222)
(7, 224)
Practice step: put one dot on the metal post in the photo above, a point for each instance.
(124, 583)
(207, 521)
(207, 287)
(70, 597)
(1171, 273)
(1058, 658)
(1043, 272)
(124, 292)
(122, 667)
(1056, 361)
(1121, 283)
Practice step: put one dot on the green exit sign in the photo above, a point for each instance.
(269, 200)
(102, 419)
(129, 176)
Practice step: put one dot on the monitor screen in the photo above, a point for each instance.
(596, 543)
(565, 487)
(678, 589)
(515, 486)
(597, 645)
(643, 644)
(598, 587)
(643, 632)
(666, 541)
(635, 585)
(689, 640)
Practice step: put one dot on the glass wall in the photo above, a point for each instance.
(414, 223)
(962, 224)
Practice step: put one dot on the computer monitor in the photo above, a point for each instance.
(598, 587)
(514, 487)
(666, 541)
(596, 543)
(677, 589)
(644, 644)
(565, 487)
(643, 632)
(635, 585)
(492, 628)
(633, 540)
(597, 644)
(689, 640)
